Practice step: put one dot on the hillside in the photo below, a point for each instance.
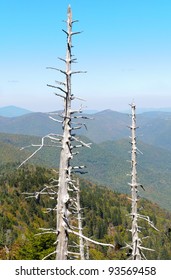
(37, 124)
(155, 127)
(105, 218)
(107, 164)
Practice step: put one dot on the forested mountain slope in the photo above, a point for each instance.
(105, 218)
(107, 163)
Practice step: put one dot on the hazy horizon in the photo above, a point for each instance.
(11, 108)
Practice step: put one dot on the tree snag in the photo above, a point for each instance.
(65, 189)
(63, 199)
(136, 242)
(135, 246)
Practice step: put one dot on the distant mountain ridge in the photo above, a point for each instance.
(13, 111)
(107, 125)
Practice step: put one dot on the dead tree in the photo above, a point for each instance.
(136, 245)
(136, 242)
(66, 184)
(65, 187)
(63, 200)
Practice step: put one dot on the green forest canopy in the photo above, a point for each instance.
(106, 218)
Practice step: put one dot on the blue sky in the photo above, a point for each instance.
(125, 48)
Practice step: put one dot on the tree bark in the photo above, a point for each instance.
(136, 255)
(65, 156)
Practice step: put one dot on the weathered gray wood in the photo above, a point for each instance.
(136, 242)
(135, 246)
(65, 156)
(65, 185)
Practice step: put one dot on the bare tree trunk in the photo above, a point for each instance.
(136, 255)
(135, 246)
(66, 186)
(64, 168)
(81, 243)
